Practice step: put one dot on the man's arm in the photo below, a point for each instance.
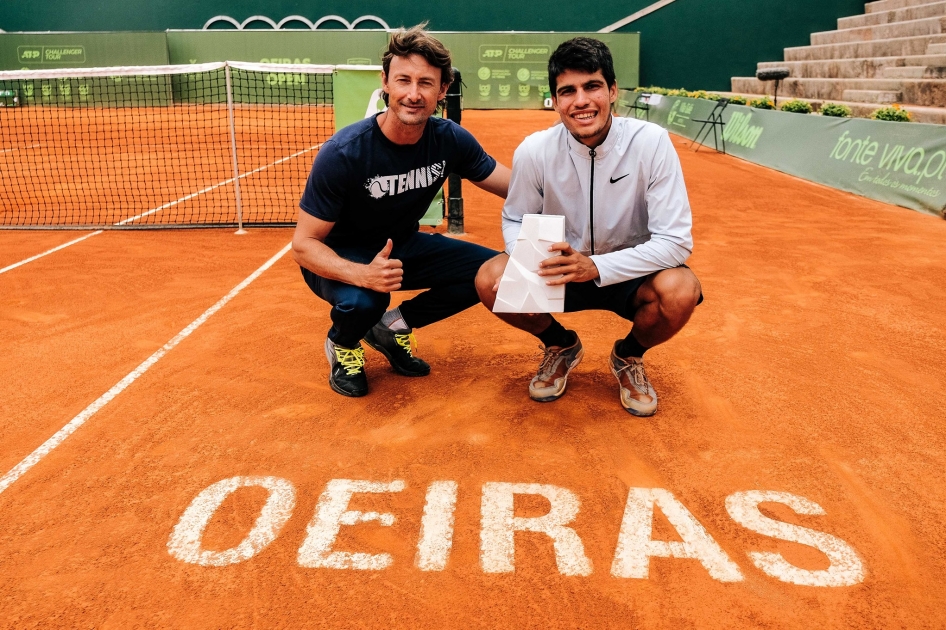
(310, 251)
(497, 182)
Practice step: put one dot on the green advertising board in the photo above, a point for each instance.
(897, 163)
(79, 91)
(357, 94)
(331, 47)
(41, 51)
(510, 70)
(500, 70)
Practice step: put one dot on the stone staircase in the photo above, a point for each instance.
(894, 53)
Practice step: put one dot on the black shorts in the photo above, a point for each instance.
(617, 298)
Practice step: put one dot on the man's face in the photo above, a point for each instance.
(413, 88)
(584, 101)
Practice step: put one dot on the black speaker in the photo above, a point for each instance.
(773, 74)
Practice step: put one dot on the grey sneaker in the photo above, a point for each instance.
(347, 369)
(637, 394)
(549, 383)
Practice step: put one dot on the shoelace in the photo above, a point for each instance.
(548, 361)
(638, 376)
(352, 359)
(408, 342)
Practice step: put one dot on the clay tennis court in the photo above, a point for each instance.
(815, 368)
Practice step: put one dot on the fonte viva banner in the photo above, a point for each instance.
(898, 163)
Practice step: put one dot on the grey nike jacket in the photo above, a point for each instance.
(625, 203)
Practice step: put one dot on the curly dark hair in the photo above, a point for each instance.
(417, 41)
(584, 54)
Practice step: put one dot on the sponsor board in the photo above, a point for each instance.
(510, 70)
(898, 163)
(39, 51)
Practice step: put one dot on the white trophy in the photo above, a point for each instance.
(522, 289)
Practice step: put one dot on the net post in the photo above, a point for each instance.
(233, 150)
(454, 189)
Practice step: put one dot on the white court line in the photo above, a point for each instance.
(32, 146)
(46, 253)
(166, 206)
(33, 458)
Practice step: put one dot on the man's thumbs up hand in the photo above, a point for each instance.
(383, 274)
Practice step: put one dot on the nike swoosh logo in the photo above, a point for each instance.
(619, 178)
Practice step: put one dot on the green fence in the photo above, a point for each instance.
(898, 163)
(500, 70)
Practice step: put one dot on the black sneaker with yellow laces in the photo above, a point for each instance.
(398, 347)
(347, 369)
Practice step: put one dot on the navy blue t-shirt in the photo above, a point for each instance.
(374, 189)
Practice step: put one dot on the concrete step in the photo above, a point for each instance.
(897, 15)
(915, 72)
(936, 49)
(931, 92)
(877, 97)
(870, 68)
(910, 28)
(890, 5)
(898, 47)
(931, 115)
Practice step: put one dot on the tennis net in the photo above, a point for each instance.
(166, 146)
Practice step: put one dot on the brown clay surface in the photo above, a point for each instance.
(16, 246)
(814, 367)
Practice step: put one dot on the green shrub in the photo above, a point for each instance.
(762, 103)
(894, 113)
(836, 110)
(737, 100)
(680, 92)
(796, 107)
(651, 90)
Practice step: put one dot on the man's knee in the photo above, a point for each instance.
(677, 291)
(359, 302)
(487, 277)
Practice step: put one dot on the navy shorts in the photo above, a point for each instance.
(617, 298)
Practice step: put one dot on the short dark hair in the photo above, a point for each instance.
(584, 54)
(417, 41)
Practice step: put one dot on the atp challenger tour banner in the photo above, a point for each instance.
(43, 51)
(898, 163)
